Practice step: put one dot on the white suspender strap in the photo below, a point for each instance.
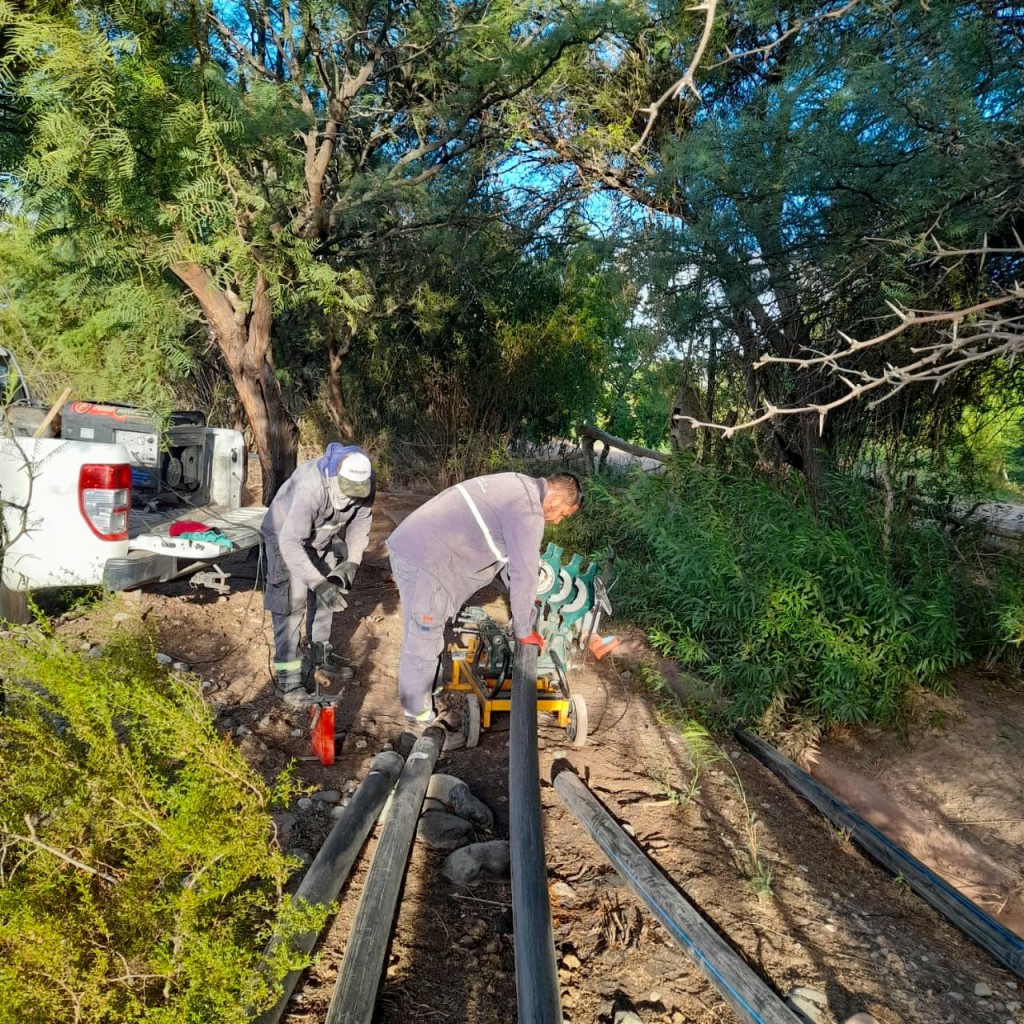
(483, 526)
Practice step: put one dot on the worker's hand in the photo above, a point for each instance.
(339, 548)
(345, 574)
(331, 594)
(534, 638)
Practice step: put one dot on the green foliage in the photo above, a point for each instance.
(481, 344)
(990, 434)
(804, 180)
(704, 753)
(263, 159)
(834, 613)
(138, 881)
(75, 323)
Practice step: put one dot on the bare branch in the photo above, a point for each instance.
(687, 81)
(33, 840)
(796, 28)
(985, 331)
(907, 319)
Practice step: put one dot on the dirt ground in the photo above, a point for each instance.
(832, 921)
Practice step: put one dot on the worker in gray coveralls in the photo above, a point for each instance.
(314, 533)
(457, 543)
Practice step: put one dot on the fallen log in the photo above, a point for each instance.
(589, 435)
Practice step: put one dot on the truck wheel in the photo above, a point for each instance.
(14, 606)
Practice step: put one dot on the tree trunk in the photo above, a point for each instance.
(242, 331)
(681, 432)
(335, 354)
(814, 452)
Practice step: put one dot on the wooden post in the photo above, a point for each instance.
(54, 409)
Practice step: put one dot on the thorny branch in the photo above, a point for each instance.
(686, 82)
(992, 329)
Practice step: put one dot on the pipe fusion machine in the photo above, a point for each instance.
(571, 601)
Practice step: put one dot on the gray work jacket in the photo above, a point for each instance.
(444, 538)
(302, 517)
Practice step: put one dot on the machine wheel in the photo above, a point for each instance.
(576, 730)
(471, 720)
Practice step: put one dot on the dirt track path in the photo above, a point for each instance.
(833, 921)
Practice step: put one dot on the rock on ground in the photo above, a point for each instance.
(471, 863)
(441, 831)
(456, 796)
(808, 1003)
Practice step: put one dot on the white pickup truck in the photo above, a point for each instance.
(95, 505)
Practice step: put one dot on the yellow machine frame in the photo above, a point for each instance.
(550, 697)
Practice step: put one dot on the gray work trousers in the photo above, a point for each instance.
(288, 600)
(426, 607)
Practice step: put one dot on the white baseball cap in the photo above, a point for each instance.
(353, 479)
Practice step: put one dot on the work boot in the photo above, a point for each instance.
(331, 670)
(288, 688)
(416, 727)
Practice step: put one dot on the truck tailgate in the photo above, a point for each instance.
(47, 538)
(240, 525)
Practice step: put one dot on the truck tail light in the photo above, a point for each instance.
(105, 498)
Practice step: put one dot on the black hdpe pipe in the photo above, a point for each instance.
(536, 970)
(751, 999)
(952, 904)
(327, 874)
(355, 991)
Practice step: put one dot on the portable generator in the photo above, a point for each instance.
(167, 453)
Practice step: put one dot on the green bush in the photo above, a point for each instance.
(137, 877)
(833, 612)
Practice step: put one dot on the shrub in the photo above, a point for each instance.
(833, 611)
(138, 881)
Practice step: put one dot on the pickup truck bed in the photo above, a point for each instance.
(67, 520)
(144, 565)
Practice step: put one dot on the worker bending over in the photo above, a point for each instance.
(315, 532)
(457, 543)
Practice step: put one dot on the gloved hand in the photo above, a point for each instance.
(534, 638)
(331, 594)
(339, 547)
(345, 574)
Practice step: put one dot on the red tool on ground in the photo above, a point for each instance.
(321, 728)
(321, 711)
